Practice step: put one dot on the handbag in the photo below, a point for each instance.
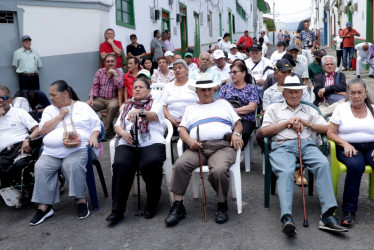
(71, 139)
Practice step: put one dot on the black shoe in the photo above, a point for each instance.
(347, 219)
(371, 76)
(149, 212)
(222, 214)
(83, 211)
(114, 217)
(331, 224)
(358, 76)
(176, 213)
(289, 227)
(40, 216)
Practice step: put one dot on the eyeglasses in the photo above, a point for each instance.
(234, 72)
(109, 61)
(5, 97)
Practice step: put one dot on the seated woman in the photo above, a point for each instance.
(151, 156)
(163, 73)
(177, 95)
(352, 129)
(68, 126)
(243, 96)
(147, 64)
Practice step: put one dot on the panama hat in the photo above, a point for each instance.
(291, 82)
(204, 82)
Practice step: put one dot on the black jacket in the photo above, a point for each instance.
(319, 83)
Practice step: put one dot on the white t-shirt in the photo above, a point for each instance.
(338, 41)
(156, 129)
(360, 52)
(176, 98)
(15, 126)
(192, 67)
(266, 39)
(276, 56)
(214, 119)
(258, 71)
(225, 72)
(21, 102)
(225, 46)
(352, 129)
(238, 55)
(264, 49)
(85, 121)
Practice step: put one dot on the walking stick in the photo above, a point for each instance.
(305, 223)
(201, 174)
(134, 134)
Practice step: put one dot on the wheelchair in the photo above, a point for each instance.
(17, 181)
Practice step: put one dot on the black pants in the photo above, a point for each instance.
(151, 160)
(248, 128)
(28, 82)
(339, 56)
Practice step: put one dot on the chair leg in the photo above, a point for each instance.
(311, 183)
(237, 188)
(273, 183)
(101, 176)
(90, 180)
(195, 184)
(247, 155)
(371, 186)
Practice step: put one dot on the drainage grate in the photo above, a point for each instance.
(6, 17)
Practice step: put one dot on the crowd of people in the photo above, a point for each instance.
(212, 102)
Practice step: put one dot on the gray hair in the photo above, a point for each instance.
(323, 60)
(180, 61)
(204, 53)
(6, 89)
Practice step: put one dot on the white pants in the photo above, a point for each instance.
(308, 54)
(360, 61)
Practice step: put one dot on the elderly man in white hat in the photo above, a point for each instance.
(219, 129)
(283, 121)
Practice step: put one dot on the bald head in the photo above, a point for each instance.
(365, 47)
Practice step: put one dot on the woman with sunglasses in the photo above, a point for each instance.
(243, 96)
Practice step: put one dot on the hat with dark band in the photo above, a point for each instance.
(204, 82)
(291, 82)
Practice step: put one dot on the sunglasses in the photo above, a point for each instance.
(109, 61)
(5, 97)
(234, 72)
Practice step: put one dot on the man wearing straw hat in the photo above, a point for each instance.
(219, 129)
(283, 121)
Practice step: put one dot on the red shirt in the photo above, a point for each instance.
(128, 80)
(248, 42)
(107, 48)
(349, 41)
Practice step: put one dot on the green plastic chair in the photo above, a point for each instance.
(337, 168)
(270, 178)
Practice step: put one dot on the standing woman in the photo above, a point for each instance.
(278, 53)
(151, 156)
(177, 95)
(147, 64)
(129, 78)
(163, 73)
(337, 41)
(243, 96)
(68, 126)
(225, 44)
(352, 129)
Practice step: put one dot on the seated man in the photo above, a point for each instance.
(15, 124)
(315, 67)
(329, 87)
(283, 121)
(104, 92)
(218, 121)
(364, 55)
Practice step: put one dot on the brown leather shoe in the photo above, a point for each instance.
(344, 69)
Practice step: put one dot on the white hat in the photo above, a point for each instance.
(217, 54)
(145, 72)
(291, 82)
(203, 82)
(168, 53)
(233, 46)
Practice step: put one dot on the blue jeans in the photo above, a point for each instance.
(346, 51)
(355, 169)
(283, 160)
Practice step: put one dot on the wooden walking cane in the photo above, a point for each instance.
(201, 174)
(305, 223)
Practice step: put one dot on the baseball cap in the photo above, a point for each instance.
(255, 47)
(245, 31)
(25, 37)
(318, 53)
(168, 53)
(233, 46)
(349, 24)
(145, 73)
(217, 54)
(188, 54)
(282, 44)
(293, 47)
(282, 65)
(289, 58)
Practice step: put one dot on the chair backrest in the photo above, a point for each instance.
(156, 90)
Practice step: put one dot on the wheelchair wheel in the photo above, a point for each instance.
(62, 181)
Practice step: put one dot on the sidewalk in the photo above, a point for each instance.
(352, 74)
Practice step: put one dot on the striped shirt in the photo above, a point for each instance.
(104, 86)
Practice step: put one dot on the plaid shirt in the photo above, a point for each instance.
(105, 87)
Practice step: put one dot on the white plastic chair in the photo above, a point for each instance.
(167, 163)
(235, 176)
(247, 154)
(156, 90)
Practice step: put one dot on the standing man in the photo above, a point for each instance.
(104, 92)
(135, 49)
(266, 38)
(156, 47)
(246, 40)
(348, 34)
(307, 39)
(26, 62)
(280, 36)
(111, 46)
(337, 41)
(169, 45)
(364, 56)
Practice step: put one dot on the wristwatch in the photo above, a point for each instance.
(28, 138)
(236, 133)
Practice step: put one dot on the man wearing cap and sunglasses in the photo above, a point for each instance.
(27, 63)
(283, 121)
(348, 34)
(214, 127)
